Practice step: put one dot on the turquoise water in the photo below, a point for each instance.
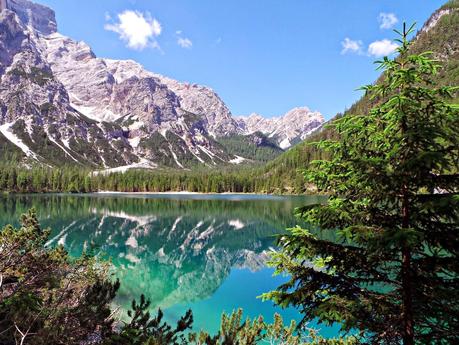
(204, 252)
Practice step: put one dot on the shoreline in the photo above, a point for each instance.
(184, 193)
(170, 193)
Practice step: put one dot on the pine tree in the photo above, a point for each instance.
(392, 271)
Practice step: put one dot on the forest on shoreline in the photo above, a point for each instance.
(39, 179)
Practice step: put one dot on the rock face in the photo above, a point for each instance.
(61, 103)
(36, 16)
(35, 110)
(203, 100)
(286, 130)
(156, 124)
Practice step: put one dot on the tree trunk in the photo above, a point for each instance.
(408, 327)
(407, 303)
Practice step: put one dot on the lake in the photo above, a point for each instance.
(204, 252)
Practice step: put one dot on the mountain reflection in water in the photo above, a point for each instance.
(176, 250)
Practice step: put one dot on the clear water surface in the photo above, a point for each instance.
(204, 252)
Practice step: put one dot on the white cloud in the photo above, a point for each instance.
(351, 46)
(184, 42)
(382, 48)
(139, 30)
(387, 20)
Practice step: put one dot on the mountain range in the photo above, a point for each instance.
(61, 104)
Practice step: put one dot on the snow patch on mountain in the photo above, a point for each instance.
(5, 129)
(143, 164)
(238, 160)
(135, 142)
(50, 137)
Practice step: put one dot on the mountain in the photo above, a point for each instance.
(440, 34)
(286, 130)
(62, 104)
(35, 111)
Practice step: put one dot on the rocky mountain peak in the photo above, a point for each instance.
(255, 117)
(36, 16)
(286, 130)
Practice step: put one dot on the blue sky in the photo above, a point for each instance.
(264, 56)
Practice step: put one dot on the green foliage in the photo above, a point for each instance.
(235, 331)
(144, 330)
(46, 298)
(40, 179)
(285, 172)
(255, 147)
(36, 75)
(393, 273)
